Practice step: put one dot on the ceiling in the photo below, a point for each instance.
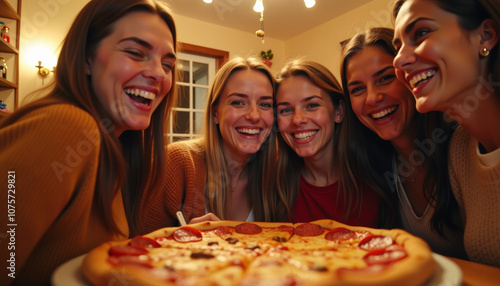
(283, 19)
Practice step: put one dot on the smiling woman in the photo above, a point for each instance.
(448, 53)
(85, 154)
(229, 171)
(316, 168)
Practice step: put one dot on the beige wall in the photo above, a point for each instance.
(44, 24)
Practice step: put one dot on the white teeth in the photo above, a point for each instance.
(249, 131)
(304, 135)
(422, 76)
(383, 112)
(141, 93)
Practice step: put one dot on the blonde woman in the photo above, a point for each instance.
(228, 173)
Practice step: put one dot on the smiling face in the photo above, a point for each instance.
(436, 57)
(307, 117)
(245, 112)
(379, 100)
(131, 70)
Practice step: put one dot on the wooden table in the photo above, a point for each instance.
(478, 274)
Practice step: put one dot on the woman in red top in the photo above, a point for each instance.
(316, 168)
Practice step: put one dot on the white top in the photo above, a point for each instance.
(450, 245)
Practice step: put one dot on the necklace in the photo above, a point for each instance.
(233, 189)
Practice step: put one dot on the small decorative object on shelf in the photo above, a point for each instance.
(5, 34)
(3, 68)
(267, 57)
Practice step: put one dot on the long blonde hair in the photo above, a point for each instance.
(261, 166)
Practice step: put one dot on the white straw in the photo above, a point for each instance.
(180, 217)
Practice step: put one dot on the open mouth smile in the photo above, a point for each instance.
(141, 96)
(249, 131)
(304, 135)
(384, 113)
(420, 78)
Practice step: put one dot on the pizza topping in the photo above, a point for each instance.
(223, 230)
(279, 239)
(212, 243)
(308, 229)
(199, 254)
(319, 268)
(187, 234)
(232, 240)
(119, 250)
(385, 256)
(248, 228)
(252, 247)
(145, 242)
(376, 242)
(340, 234)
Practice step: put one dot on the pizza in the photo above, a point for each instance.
(322, 252)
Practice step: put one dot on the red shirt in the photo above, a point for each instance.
(315, 203)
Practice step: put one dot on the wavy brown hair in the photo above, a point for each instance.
(134, 162)
(376, 155)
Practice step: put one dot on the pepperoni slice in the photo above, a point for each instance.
(248, 228)
(187, 234)
(145, 242)
(384, 256)
(339, 234)
(308, 229)
(375, 242)
(119, 250)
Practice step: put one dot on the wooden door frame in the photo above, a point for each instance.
(220, 56)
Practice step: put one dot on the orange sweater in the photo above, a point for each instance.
(55, 159)
(183, 187)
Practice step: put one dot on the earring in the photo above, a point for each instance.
(486, 52)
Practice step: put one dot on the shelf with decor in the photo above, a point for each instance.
(9, 91)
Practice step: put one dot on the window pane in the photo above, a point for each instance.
(183, 67)
(200, 73)
(183, 100)
(199, 97)
(198, 118)
(181, 123)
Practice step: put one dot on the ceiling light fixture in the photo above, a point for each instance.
(259, 6)
(207, 1)
(310, 3)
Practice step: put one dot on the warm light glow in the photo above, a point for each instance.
(207, 1)
(309, 3)
(259, 6)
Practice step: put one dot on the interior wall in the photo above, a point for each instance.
(326, 37)
(45, 23)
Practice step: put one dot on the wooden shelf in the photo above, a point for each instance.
(6, 84)
(7, 48)
(6, 11)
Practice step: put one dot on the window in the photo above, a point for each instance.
(196, 73)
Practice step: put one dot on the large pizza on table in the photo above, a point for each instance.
(322, 252)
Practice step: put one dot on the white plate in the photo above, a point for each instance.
(70, 273)
(447, 273)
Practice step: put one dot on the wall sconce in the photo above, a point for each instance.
(43, 71)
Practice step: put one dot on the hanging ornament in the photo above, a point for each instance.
(260, 33)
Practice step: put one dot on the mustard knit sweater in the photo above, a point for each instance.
(53, 154)
(183, 189)
(475, 180)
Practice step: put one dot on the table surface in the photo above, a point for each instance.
(477, 274)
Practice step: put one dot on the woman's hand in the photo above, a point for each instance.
(207, 217)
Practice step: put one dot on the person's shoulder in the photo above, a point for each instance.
(186, 147)
(65, 115)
